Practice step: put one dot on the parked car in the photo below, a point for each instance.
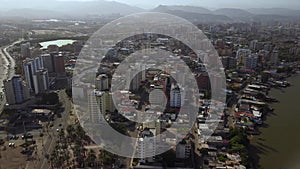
(26, 136)
(15, 137)
(11, 144)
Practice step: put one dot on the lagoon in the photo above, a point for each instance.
(59, 43)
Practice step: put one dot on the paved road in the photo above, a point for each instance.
(4, 68)
(7, 71)
(50, 140)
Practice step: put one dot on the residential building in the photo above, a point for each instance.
(177, 95)
(250, 62)
(54, 63)
(106, 103)
(203, 81)
(229, 62)
(102, 82)
(133, 80)
(253, 45)
(15, 90)
(241, 54)
(94, 110)
(30, 67)
(274, 57)
(146, 146)
(48, 63)
(183, 149)
(59, 65)
(41, 81)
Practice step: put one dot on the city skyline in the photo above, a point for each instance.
(149, 84)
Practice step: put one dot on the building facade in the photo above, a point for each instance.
(16, 90)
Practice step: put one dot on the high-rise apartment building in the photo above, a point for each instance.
(15, 90)
(177, 95)
(59, 65)
(274, 57)
(241, 54)
(102, 82)
(30, 67)
(41, 81)
(250, 62)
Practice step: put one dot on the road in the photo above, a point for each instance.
(8, 70)
(52, 136)
(4, 68)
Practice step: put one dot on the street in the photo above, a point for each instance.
(51, 137)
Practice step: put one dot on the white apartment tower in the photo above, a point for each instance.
(177, 95)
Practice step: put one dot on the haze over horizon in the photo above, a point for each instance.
(203, 10)
(245, 4)
(146, 4)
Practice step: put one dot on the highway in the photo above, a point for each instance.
(51, 137)
(7, 70)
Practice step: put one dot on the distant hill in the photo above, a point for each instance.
(96, 8)
(274, 18)
(234, 13)
(275, 11)
(192, 9)
(33, 14)
(199, 14)
(58, 9)
(191, 14)
(48, 9)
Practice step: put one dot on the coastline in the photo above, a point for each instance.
(262, 153)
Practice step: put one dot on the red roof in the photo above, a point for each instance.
(244, 114)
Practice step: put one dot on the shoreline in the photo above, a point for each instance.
(254, 150)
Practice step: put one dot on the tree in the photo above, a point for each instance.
(91, 159)
(69, 92)
(204, 151)
(50, 99)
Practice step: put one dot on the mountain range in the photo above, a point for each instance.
(231, 14)
(37, 9)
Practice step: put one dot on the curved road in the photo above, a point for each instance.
(7, 71)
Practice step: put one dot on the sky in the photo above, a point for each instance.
(214, 4)
(149, 4)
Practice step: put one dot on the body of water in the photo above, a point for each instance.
(279, 144)
(59, 43)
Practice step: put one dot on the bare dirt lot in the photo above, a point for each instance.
(11, 158)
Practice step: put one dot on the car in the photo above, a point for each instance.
(15, 137)
(9, 137)
(28, 135)
(11, 144)
(60, 125)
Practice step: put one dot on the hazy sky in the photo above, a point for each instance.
(294, 4)
(211, 4)
(219, 3)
